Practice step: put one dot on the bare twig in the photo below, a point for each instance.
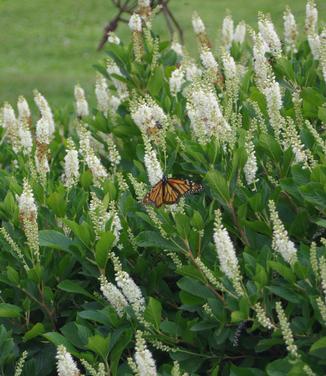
(129, 7)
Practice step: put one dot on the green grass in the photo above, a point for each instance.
(51, 45)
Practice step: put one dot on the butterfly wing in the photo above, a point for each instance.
(170, 191)
(156, 195)
(184, 187)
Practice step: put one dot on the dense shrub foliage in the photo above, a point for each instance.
(228, 281)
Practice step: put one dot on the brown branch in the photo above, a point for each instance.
(128, 8)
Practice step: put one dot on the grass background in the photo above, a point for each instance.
(51, 45)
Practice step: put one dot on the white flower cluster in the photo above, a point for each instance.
(147, 115)
(135, 23)
(225, 249)
(143, 357)
(208, 60)
(121, 87)
(270, 37)
(198, 24)
(26, 202)
(11, 125)
(129, 288)
(240, 32)
(176, 81)
(286, 331)
(281, 242)
(102, 94)
(262, 318)
(114, 155)
(205, 115)
(311, 24)
(323, 52)
(71, 166)
(292, 139)
(113, 295)
(24, 113)
(227, 31)
(229, 34)
(113, 38)
(177, 47)
(290, 31)
(80, 102)
(116, 226)
(311, 17)
(230, 68)
(98, 214)
(192, 71)
(250, 168)
(66, 366)
(46, 114)
(93, 162)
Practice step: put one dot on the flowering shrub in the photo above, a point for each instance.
(229, 281)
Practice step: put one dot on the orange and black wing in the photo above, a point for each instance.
(171, 195)
(185, 187)
(156, 195)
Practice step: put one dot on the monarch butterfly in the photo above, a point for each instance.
(170, 190)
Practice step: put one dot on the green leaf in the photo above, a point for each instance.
(238, 316)
(194, 288)
(266, 344)
(218, 185)
(35, 331)
(103, 247)
(182, 225)
(58, 203)
(283, 270)
(153, 312)
(319, 348)
(148, 239)
(118, 349)
(100, 345)
(9, 310)
(241, 371)
(322, 114)
(285, 293)
(73, 287)
(54, 239)
(314, 193)
(58, 339)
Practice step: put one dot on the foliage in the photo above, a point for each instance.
(230, 281)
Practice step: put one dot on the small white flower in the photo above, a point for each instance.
(10, 123)
(25, 137)
(113, 295)
(240, 32)
(290, 31)
(192, 71)
(267, 30)
(227, 32)
(314, 44)
(71, 167)
(26, 202)
(176, 81)
(273, 96)
(147, 114)
(130, 290)
(135, 23)
(225, 249)
(311, 17)
(208, 60)
(81, 102)
(250, 168)
(230, 68)
(153, 167)
(113, 38)
(177, 48)
(198, 24)
(144, 358)
(66, 366)
(121, 87)
(45, 111)
(281, 242)
(102, 95)
(43, 130)
(323, 52)
(24, 113)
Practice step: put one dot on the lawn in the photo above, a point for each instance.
(51, 45)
